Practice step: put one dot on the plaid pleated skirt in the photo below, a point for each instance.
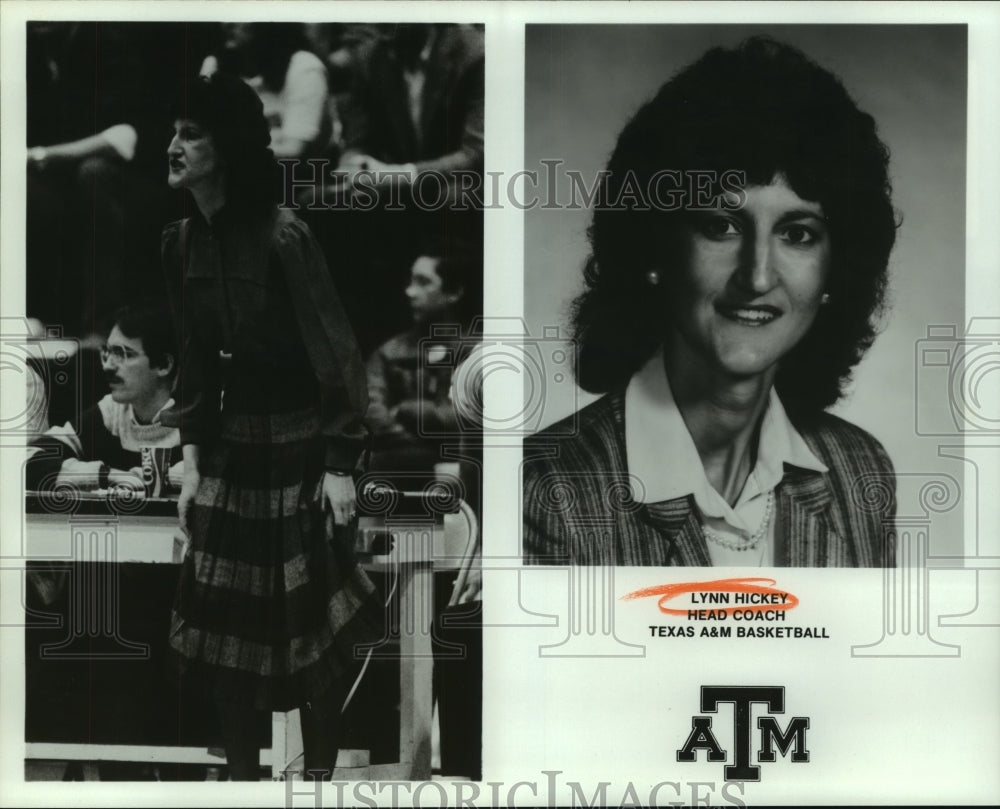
(270, 612)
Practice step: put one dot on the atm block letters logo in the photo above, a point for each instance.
(770, 738)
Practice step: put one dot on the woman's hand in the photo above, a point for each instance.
(175, 475)
(338, 497)
(189, 486)
(472, 588)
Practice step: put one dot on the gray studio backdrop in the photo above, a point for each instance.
(583, 82)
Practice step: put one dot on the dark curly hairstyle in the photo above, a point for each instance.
(231, 111)
(765, 109)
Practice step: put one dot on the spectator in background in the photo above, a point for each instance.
(417, 103)
(290, 80)
(409, 376)
(81, 142)
(96, 127)
(412, 120)
(343, 47)
(413, 420)
(120, 440)
(95, 122)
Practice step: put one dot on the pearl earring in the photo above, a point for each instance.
(653, 278)
(825, 298)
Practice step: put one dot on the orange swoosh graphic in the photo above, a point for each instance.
(668, 592)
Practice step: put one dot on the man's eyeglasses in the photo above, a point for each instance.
(120, 353)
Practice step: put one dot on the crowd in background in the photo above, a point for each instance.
(397, 103)
(382, 96)
(400, 101)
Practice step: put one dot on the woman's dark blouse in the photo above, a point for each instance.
(256, 287)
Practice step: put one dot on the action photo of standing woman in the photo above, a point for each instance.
(272, 391)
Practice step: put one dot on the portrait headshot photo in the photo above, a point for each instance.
(745, 234)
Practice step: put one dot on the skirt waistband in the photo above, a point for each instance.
(272, 428)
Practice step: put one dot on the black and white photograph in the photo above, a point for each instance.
(775, 214)
(502, 403)
(753, 518)
(247, 292)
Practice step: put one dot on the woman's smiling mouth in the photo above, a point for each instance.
(747, 315)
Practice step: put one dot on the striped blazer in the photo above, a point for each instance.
(578, 506)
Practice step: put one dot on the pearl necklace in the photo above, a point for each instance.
(748, 543)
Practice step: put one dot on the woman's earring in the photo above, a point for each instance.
(825, 298)
(653, 278)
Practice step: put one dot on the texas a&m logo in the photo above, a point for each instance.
(771, 735)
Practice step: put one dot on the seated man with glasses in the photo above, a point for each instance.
(120, 440)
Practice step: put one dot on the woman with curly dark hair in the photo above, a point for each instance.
(271, 396)
(740, 244)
